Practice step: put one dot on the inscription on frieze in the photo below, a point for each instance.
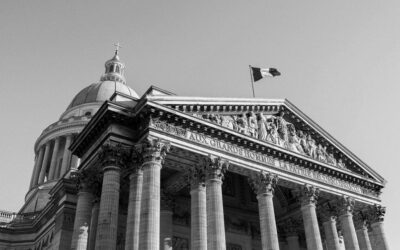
(258, 157)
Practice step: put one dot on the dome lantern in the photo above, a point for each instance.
(114, 68)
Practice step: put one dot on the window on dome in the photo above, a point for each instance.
(117, 70)
(112, 68)
(88, 113)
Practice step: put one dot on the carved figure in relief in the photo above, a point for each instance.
(253, 126)
(320, 153)
(282, 125)
(293, 140)
(331, 159)
(272, 131)
(242, 124)
(303, 141)
(262, 127)
(312, 147)
(227, 122)
(341, 164)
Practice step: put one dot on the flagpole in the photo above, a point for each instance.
(252, 81)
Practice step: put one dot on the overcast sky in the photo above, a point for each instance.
(340, 64)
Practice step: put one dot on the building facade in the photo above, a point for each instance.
(162, 171)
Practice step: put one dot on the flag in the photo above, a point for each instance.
(259, 73)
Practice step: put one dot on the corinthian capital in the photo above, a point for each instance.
(113, 155)
(328, 212)
(197, 175)
(154, 149)
(360, 220)
(376, 213)
(216, 167)
(309, 195)
(135, 160)
(346, 204)
(264, 182)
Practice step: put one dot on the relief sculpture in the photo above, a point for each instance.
(277, 130)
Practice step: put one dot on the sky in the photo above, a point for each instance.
(340, 64)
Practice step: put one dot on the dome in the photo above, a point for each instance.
(100, 92)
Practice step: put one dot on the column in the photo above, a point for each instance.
(36, 172)
(135, 196)
(377, 214)
(93, 224)
(53, 162)
(45, 162)
(154, 152)
(215, 170)
(198, 214)
(166, 213)
(291, 230)
(66, 155)
(264, 184)
(346, 221)
(331, 234)
(308, 202)
(82, 216)
(362, 235)
(111, 157)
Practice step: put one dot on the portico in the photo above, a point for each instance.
(231, 189)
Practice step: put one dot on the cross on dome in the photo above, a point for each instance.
(117, 47)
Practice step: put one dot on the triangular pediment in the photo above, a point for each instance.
(276, 122)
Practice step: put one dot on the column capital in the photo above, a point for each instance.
(376, 213)
(197, 175)
(135, 160)
(113, 155)
(346, 205)
(88, 181)
(153, 149)
(309, 195)
(216, 167)
(360, 220)
(264, 182)
(328, 212)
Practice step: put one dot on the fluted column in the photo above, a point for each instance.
(308, 202)
(331, 234)
(36, 171)
(362, 232)
(264, 184)
(198, 215)
(66, 155)
(135, 196)
(328, 214)
(45, 162)
(82, 215)
(377, 214)
(215, 170)
(346, 221)
(93, 224)
(53, 162)
(166, 214)
(112, 160)
(154, 152)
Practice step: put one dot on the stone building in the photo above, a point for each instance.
(161, 171)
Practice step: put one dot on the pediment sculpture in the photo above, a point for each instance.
(276, 130)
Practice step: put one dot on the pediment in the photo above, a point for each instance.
(276, 122)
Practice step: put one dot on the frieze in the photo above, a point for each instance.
(258, 157)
